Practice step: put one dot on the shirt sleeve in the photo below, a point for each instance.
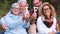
(26, 24)
(39, 24)
(3, 20)
(0, 22)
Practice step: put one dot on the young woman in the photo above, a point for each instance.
(34, 15)
(46, 23)
(13, 22)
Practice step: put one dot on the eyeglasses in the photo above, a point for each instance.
(36, 3)
(46, 9)
(23, 5)
(15, 8)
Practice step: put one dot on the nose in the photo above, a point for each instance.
(45, 10)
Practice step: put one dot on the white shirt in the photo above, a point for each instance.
(42, 28)
(32, 29)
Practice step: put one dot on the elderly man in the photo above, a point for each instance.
(23, 4)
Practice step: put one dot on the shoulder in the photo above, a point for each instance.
(2, 18)
(5, 18)
(39, 18)
(54, 18)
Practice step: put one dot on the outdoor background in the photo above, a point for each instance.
(6, 4)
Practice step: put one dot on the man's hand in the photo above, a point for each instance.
(26, 17)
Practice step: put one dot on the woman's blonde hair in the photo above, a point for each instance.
(53, 13)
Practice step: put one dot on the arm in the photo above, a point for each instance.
(40, 27)
(57, 27)
(33, 18)
(4, 26)
(26, 24)
(26, 20)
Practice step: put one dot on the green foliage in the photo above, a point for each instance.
(4, 7)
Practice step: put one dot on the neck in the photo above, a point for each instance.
(47, 17)
(16, 14)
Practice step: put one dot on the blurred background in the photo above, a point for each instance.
(6, 4)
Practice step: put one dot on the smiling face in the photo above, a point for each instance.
(37, 3)
(23, 6)
(46, 10)
(15, 10)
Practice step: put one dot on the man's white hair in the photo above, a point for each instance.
(19, 1)
(14, 4)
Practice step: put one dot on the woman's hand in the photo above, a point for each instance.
(33, 17)
(4, 26)
(52, 32)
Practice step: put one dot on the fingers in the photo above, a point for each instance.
(26, 16)
(4, 26)
(34, 15)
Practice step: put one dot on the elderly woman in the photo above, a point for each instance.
(46, 22)
(13, 22)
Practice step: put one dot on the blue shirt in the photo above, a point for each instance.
(15, 24)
